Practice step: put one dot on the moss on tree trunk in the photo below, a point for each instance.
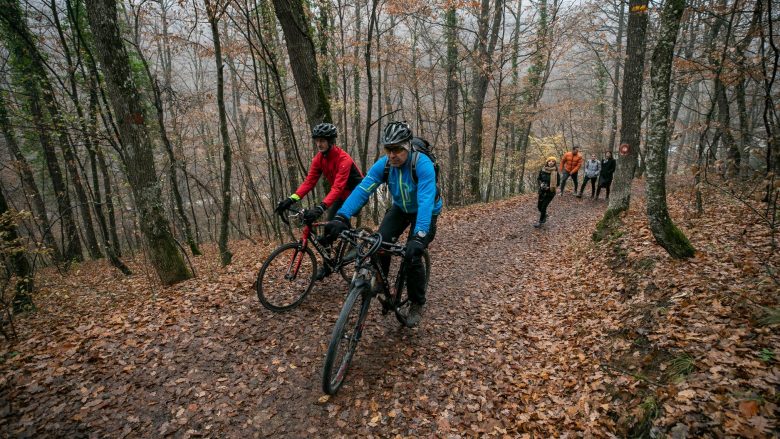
(665, 232)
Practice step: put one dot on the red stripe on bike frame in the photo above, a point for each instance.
(304, 243)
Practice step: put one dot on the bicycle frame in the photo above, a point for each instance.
(307, 235)
(368, 267)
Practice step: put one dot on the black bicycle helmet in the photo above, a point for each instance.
(395, 133)
(324, 130)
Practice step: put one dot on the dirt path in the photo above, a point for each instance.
(498, 350)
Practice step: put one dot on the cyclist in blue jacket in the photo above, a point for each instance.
(415, 204)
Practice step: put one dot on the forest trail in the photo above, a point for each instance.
(502, 348)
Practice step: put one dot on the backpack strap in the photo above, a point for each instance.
(415, 157)
(386, 172)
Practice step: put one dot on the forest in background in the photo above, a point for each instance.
(158, 126)
(145, 144)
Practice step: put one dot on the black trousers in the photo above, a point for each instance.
(331, 212)
(606, 185)
(545, 197)
(565, 177)
(393, 224)
(592, 181)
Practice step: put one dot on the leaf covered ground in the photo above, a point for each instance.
(527, 333)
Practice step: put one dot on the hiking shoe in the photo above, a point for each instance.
(323, 272)
(415, 314)
(538, 224)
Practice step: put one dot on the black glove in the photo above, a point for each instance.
(334, 228)
(284, 205)
(311, 215)
(414, 247)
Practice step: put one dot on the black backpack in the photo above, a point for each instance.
(419, 146)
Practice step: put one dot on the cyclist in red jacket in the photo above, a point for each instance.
(339, 169)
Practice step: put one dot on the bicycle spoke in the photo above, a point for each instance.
(286, 277)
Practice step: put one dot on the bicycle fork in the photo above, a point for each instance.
(297, 257)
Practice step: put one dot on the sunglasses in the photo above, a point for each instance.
(395, 149)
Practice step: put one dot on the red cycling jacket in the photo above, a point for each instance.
(339, 170)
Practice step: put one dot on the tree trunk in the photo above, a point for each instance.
(128, 107)
(356, 116)
(514, 138)
(451, 36)
(158, 105)
(26, 174)
(601, 105)
(26, 60)
(227, 160)
(616, 76)
(19, 265)
(369, 85)
(303, 60)
(68, 151)
(523, 150)
(631, 108)
(72, 248)
(724, 127)
(483, 70)
(665, 232)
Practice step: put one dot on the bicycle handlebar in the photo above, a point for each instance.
(286, 218)
(296, 213)
(373, 241)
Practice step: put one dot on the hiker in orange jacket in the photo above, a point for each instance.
(570, 164)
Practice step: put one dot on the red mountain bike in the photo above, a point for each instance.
(289, 273)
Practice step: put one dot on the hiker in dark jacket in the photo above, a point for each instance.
(592, 171)
(548, 183)
(607, 171)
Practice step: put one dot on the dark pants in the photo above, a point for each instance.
(393, 224)
(592, 181)
(565, 177)
(545, 197)
(331, 212)
(606, 185)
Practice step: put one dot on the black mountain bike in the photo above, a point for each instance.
(368, 282)
(288, 274)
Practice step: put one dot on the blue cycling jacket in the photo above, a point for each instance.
(417, 198)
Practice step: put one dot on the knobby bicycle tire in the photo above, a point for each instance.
(336, 366)
(279, 293)
(402, 312)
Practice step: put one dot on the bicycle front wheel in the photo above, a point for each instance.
(286, 277)
(401, 287)
(345, 338)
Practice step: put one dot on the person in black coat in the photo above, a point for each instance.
(605, 176)
(548, 183)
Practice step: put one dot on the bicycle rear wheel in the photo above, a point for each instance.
(400, 292)
(345, 338)
(286, 277)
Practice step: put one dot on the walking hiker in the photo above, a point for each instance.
(592, 170)
(605, 176)
(548, 183)
(570, 165)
